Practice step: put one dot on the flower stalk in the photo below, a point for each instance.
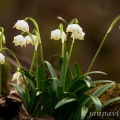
(71, 48)
(103, 41)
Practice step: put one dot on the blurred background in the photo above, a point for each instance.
(94, 16)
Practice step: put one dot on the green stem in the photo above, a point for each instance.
(64, 65)
(0, 77)
(37, 82)
(63, 49)
(41, 52)
(71, 48)
(33, 60)
(104, 39)
(12, 55)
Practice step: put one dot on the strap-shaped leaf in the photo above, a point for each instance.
(77, 85)
(63, 71)
(60, 60)
(41, 73)
(33, 101)
(59, 92)
(93, 72)
(53, 74)
(29, 77)
(65, 101)
(94, 100)
(22, 94)
(101, 81)
(77, 70)
(84, 111)
(110, 101)
(98, 92)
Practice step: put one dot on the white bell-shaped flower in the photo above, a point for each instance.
(29, 40)
(21, 25)
(74, 28)
(4, 40)
(17, 76)
(79, 36)
(55, 34)
(19, 40)
(2, 59)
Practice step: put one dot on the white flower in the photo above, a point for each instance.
(19, 40)
(17, 76)
(29, 40)
(21, 25)
(79, 36)
(74, 28)
(4, 41)
(55, 34)
(2, 59)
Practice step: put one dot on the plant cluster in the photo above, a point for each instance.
(65, 97)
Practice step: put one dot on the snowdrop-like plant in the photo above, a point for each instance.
(55, 95)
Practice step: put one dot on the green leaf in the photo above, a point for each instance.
(88, 78)
(60, 60)
(29, 77)
(84, 111)
(41, 73)
(59, 92)
(22, 94)
(98, 92)
(77, 70)
(100, 81)
(53, 74)
(102, 89)
(110, 101)
(83, 90)
(69, 94)
(93, 72)
(65, 101)
(69, 76)
(33, 100)
(64, 72)
(78, 84)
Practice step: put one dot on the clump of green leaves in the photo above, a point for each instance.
(63, 97)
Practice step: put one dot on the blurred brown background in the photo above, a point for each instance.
(94, 16)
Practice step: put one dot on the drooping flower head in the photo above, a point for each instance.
(76, 30)
(79, 36)
(2, 59)
(19, 40)
(55, 34)
(4, 41)
(17, 76)
(29, 40)
(21, 25)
